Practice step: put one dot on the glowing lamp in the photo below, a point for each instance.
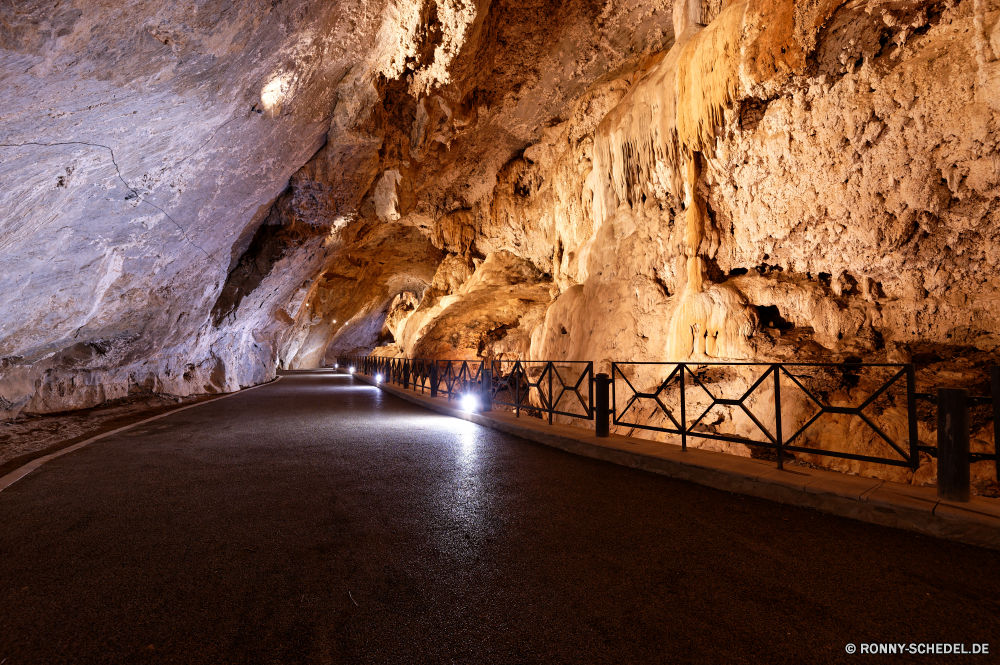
(379, 378)
(469, 402)
(350, 370)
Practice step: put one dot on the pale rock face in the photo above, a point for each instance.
(491, 312)
(385, 198)
(141, 145)
(197, 193)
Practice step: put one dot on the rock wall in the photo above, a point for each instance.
(142, 144)
(196, 195)
(784, 183)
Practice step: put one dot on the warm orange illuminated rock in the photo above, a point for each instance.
(641, 180)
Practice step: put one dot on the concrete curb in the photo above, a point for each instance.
(867, 499)
(17, 474)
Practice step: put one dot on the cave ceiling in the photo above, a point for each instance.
(196, 194)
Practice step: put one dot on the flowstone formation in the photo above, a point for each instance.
(197, 195)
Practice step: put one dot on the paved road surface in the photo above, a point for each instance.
(318, 520)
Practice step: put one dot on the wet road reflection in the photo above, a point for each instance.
(320, 520)
(462, 498)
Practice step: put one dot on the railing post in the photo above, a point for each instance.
(911, 417)
(406, 374)
(589, 371)
(551, 405)
(953, 444)
(434, 379)
(777, 414)
(684, 435)
(486, 387)
(995, 392)
(517, 389)
(602, 410)
(614, 393)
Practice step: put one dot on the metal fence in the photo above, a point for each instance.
(548, 387)
(686, 399)
(682, 396)
(544, 388)
(451, 378)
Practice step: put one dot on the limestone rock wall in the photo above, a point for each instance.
(783, 183)
(194, 195)
(141, 145)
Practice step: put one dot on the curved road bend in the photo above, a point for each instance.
(318, 520)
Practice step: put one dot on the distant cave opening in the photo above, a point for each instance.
(850, 283)
(766, 268)
(770, 317)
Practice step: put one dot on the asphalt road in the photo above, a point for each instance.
(318, 520)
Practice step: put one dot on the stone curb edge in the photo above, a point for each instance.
(17, 474)
(866, 499)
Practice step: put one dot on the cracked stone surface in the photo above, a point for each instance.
(196, 194)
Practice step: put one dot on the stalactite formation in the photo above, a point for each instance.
(698, 179)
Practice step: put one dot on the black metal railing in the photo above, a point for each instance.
(680, 398)
(458, 377)
(952, 451)
(563, 388)
(544, 388)
(449, 378)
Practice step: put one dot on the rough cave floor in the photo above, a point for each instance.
(318, 519)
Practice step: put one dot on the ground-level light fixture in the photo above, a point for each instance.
(469, 402)
(379, 378)
(350, 370)
(336, 365)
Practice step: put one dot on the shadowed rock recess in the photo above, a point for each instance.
(194, 194)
